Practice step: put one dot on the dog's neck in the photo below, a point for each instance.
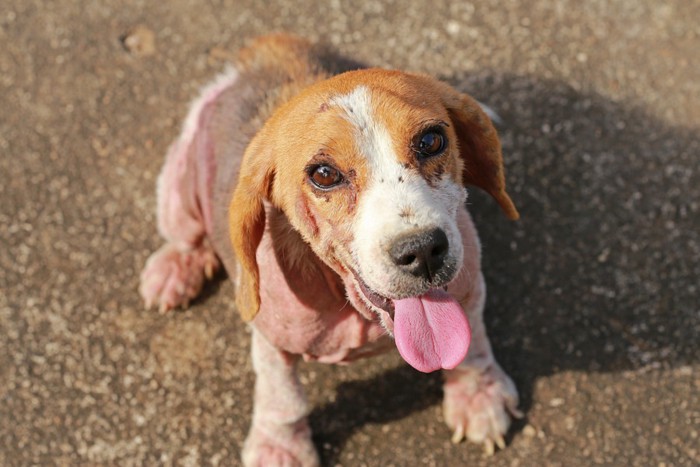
(296, 257)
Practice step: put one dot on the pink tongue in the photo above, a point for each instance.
(431, 331)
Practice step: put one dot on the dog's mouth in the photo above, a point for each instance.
(431, 329)
(377, 300)
(378, 304)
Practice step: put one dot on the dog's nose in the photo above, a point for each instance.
(421, 254)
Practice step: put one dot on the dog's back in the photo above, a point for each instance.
(269, 72)
(202, 165)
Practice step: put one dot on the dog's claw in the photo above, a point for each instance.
(516, 412)
(500, 442)
(478, 403)
(458, 435)
(208, 270)
(489, 448)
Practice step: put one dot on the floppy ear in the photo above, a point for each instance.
(247, 223)
(480, 149)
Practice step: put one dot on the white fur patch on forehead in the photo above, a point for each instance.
(372, 138)
(357, 106)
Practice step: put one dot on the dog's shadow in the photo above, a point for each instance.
(391, 395)
(599, 275)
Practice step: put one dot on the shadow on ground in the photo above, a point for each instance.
(599, 275)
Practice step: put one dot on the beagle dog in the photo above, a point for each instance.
(336, 203)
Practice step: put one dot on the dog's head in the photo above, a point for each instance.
(370, 167)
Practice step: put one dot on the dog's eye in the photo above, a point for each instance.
(325, 176)
(430, 143)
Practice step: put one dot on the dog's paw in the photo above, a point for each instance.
(172, 277)
(479, 403)
(288, 446)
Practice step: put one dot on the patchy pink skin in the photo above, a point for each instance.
(172, 277)
(280, 433)
(184, 185)
(479, 401)
(175, 273)
(307, 310)
(479, 395)
(304, 309)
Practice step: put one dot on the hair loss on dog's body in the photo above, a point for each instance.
(336, 204)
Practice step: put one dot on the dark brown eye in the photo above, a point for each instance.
(325, 176)
(431, 143)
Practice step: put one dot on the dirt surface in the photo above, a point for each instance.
(594, 301)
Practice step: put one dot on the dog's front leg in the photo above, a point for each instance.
(280, 433)
(479, 396)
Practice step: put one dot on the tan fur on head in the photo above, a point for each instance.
(292, 138)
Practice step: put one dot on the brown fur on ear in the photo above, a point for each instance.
(247, 224)
(480, 149)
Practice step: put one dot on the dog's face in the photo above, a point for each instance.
(382, 187)
(370, 168)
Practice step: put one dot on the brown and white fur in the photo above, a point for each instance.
(313, 267)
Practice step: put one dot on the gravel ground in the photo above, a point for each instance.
(594, 301)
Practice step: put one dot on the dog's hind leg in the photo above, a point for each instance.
(175, 273)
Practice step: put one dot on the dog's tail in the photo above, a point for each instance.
(292, 53)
